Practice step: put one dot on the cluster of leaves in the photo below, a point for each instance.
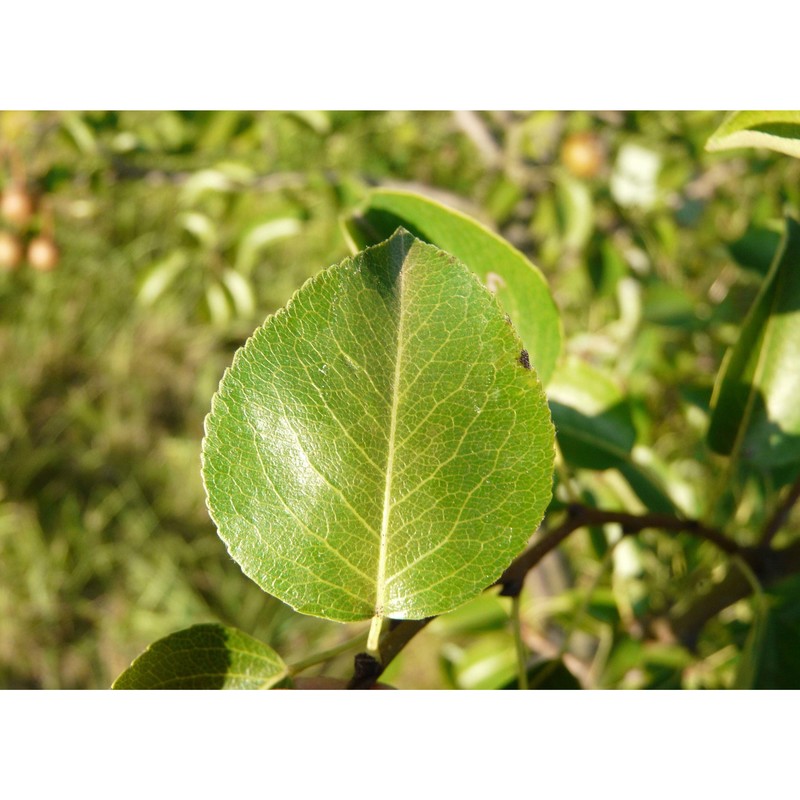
(653, 251)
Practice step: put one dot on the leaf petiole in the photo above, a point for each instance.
(373, 640)
(326, 655)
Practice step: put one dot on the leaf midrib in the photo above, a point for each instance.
(383, 548)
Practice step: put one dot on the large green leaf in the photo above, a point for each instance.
(518, 284)
(378, 447)
(205, 657)
(756, 395)
(775, 130)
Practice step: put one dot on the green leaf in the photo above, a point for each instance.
(548, 673)
(519, 286)
(771, 656)
(592, 417)
(259, 237)
(775, 130)
(160, 276)
(377, 448)
(756, 249)
(205, 657)
(490, 662)
(755, 405)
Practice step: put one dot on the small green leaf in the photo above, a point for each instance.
(160, 276)
(260, 236)
(377, 448)
(755, 405)
(519, 286)
(241, 292)
(775, 130)
(490, 662)
(205, 657)
(200, 226)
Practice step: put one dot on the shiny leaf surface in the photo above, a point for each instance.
(377, 448)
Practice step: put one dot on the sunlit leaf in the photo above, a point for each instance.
(218, 304)
(755, 406)
(160, 276)
(200, 226)
(774, 130)
(518, 284)
(241, 291)
(259, 237)
(205, 657)
(488, 662)
(377, 447)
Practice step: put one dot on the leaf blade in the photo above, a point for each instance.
(207, 656)
(774, 130)
(381, 482)
(754, 406)
(518, 284)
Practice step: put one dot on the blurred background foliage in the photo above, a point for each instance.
(154, 242)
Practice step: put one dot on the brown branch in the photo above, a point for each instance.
(579, 516)
(368, 670)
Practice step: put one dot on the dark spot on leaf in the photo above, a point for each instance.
(524, 359)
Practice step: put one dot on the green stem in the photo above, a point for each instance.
(373, 640)
(522, 665)
(327, 655)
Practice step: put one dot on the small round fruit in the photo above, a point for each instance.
(42, 254)
(16, 205)
(10, 251)
(583, 154)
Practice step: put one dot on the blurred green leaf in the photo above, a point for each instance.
(203, 181)
(771, 656)
(241, 292)
(548, 673)
(200, 226)
(593, 420)
(318, 121)
(755, 405)
(205, 657)
(756, 249)
(258, 237)
(518, 284)
(485, 612)
(392, 455)
(159, 277)
(774, 130)
(217, 303)
(576, 209)
(490, 662)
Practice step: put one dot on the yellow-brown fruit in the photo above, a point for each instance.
(10, 251)
(16, 205)
(583, 154)
(42, 254)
